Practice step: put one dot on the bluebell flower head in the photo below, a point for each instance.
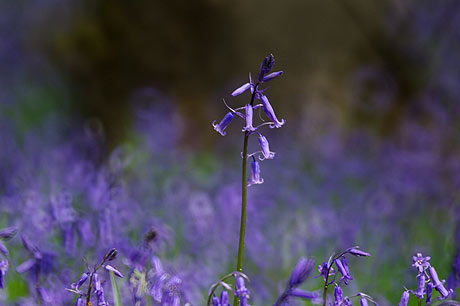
(420, 262)
(347, 301)
(110, 255)
(300, 272)
(101, 298)
(220, 128)
(404, 299)
(310, 295)
(438, 285)
(357, 252)
(268, 109)
(80, 282)
(3, 249)
(97, 282)
(338, 296)
(363, 301)
(266, 67)
(264, 145)
(241, 291)
(215, 301)
(248, 116)
(79, 302)
(255, 174)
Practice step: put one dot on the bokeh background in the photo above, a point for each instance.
(106, 111)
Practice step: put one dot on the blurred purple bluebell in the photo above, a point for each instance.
(3, 270)
(8, 232)
(241, 291)
(300, 272)
(404, 299)
(429, 291)
(112, 269)
(338, 296)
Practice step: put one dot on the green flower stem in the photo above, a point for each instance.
(116, 293)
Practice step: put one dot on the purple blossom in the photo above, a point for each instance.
(342, 267)
(310, 295)
(8, 232)
(224, 123)
(268, 109)
(248, 116)
(241, 291)
(429, 291)
(263, 142)
(404, 299)
(272, 75)
(3, 249)
(347, 301)
(420, 262)
(255, 174)
(266, 67)
(3, 270)
(300, 272)
(363, 301)
(80, 282)
(420, 291)
(338, 296)
(79, 302)
(322, 269)
(357, 252)
(438, 285)
(100, 298)
(224, 298)
(241, 89)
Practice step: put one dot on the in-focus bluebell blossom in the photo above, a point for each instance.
(404, 299)
(342, 267)
(97, 282)
(438, 285)
(215, 301)
(255, 174)
(266, 67)
(224, 123)
(224, 299)
(420, 262)
(338, 296)
(79, 302)
(264, 145)
(248, 116)
(272, 75)
(300, 272)
(347, 301)
(363, 300)
(241, 89)
(268, 109)
(3, 270)
(80, 282)
(101, 298)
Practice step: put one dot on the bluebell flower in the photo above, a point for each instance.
(357, 252)
(255, 173)
(264, 145)
(248, 116)
(363, 300)
(101, 298)
(97, 282)
(241, 89)
(322, 269)
(3, 249)
(79, 302)
(420, 291)
(300, 272)
(338, 296)
(343, 269)
(404, 299)
(268, 109)
(8, 232)
(224, 123)
(241, 291)
(347, 301)
(429, 291)
(80, 282)
(224, 298)
(266, 67)
(271, 76)
(420, 262)
(215, 301)
(438, 285)
(310, 295)
(3, 270)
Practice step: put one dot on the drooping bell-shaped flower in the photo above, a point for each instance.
(80, 282)
(8, 232)
(429, 291)
(3, 249)
(268, 109)
(420, 262)
(241, 291)
(272, 75)
(224, 123)
(343, 269)
(264, 145)
(338, 296)
(3, 270)
(347, 301)
(404, 299)
(79, 302)
(363, 301)
(97, 282)
(311, 295)
(438, 285)
(101, 298)
(215, 301)
(248, 116)
(224, 298)
(255, 174)
(420, 291)
(300, 272)
(241, 89)
(357, 252)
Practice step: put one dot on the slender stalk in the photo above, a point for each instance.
(90, 287)
(116, 293)
(244, 191)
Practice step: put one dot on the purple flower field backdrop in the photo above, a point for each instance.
(106, 142)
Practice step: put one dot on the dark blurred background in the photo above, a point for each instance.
(366, 60)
